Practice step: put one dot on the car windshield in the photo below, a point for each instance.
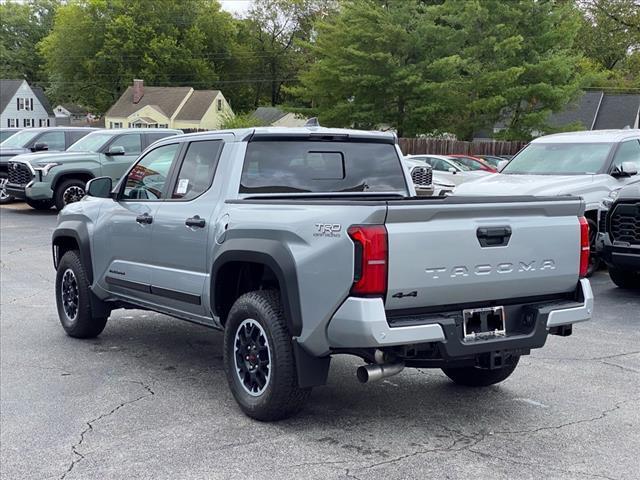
(468, 162)
(91, 143)
(20, 139)
(560, 159)
(456, 163)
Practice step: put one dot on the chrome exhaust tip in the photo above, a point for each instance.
(371, 372)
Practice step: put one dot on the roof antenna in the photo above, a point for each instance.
(312, 122)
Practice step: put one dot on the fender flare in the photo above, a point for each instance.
(278, 258)
(59, 177)
(78, 232)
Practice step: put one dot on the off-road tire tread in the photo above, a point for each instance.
(86, 325)
(286, 397)
(57, 196)
(479, 377)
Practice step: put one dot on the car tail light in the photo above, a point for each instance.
(371, 258)
(585, 247)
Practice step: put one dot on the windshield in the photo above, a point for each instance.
(560, 159)
(91, 143)
(456, 162)
(468, 162)
(20, 139)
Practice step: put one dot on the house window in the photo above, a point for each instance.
(163, 125)
(115, 124)
(20, 105)
(219, 105)
(11, 122)
(24, 103)
(27, 122)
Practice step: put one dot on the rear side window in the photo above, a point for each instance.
(197, 169)
(130, 143)
(321, 167)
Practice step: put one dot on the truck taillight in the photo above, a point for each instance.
(371, 257)
(585, 247)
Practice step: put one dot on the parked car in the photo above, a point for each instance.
(450, 170)
(620, 238)
(302, 243)
(7, 132)
(587, 164)
(492, 160)
(43, 180)
(427, 182)
(35, 140)
(474, 163)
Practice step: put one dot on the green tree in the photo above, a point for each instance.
(22, 26)
(448, 66)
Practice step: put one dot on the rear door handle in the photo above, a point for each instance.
(195, 222)
(144, 219)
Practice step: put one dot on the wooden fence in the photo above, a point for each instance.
(436, 146)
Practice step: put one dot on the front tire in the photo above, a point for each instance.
(69, 191)
(480, 377)
(73, 299)
(39, 204)
(259, 360)
(4, 196)
(625, 278)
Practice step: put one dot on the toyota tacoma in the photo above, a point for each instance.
(305, 243)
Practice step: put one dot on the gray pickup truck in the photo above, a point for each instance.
(305, 243)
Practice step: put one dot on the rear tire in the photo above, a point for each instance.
(69, 191)
(625, 278)
(73, 299)
(40, 204)
(259, 360)
(480, 377)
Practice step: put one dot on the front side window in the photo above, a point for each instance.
(132, 143)
(146, 181)
(560, 159)
(628, 152)
(91, 143)
(198, 167)
(299, 166)
(53, 140)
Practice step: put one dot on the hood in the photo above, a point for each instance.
(8, 152)
(540, 185)
(630, 192)
(59, 157)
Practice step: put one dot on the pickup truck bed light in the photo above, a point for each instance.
(371, 255)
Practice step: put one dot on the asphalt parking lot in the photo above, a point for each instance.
(148, 399)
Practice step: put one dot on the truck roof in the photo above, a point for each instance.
(244, 134)
(138, 130)
(590, 136)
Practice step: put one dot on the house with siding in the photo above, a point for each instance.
(274, 117)
(24, 106)
(142, 106)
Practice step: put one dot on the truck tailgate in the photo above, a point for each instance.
(466, 250)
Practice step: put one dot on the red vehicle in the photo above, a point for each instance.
(474, 163)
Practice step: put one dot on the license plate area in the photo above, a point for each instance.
(483, 323)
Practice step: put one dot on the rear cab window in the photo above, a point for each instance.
(283, 166)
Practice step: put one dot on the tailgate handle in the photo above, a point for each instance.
(494, 236)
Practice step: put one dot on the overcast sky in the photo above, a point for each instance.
(238, 7)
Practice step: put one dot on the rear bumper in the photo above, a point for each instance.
(363, 323)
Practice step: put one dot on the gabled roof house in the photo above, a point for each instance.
(24, 106)
(141, 106)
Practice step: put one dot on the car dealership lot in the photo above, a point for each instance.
(148, 399)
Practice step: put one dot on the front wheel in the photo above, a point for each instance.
(69, 191)
(4, 196)
(624, 278)
(480, 377)
(73, 299)
(259, 360)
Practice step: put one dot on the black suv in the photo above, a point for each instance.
(620, 245)
(35, 140)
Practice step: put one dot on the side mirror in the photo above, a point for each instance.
(99, 187)
(452, 170)
(502, 164)
(39, 147)
(115, 150)
(626, 169)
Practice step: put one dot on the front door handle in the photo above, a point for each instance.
(195, 222)
(144, 219)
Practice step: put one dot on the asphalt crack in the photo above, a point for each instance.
(78, 456)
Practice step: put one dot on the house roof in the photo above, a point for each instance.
(8, 89)
(75, 108)
(618, 111)
(268, 115)
(42, 98)
(167, 99)
(197, 105)
(583, 110)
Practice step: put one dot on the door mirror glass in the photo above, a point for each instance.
(99, 187)
(502, 164)
(115, 150)
(39, 147)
